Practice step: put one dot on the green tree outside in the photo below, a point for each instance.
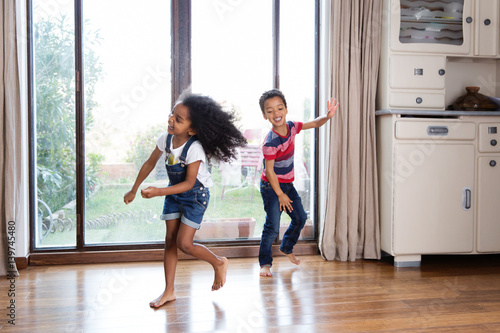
(54, 72)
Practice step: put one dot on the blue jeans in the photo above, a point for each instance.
(272, 225)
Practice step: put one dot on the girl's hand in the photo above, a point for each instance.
(129, 197)
(285, 203)
(150, 192)
(332, 105)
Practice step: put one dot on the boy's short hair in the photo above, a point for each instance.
(270, 94)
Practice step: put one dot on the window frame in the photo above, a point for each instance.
(181, 79)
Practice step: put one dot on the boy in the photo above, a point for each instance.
(276, 187)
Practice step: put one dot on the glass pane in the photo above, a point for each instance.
(297, 78)
(127, 102)
(432, 21)
(232, 62)
(54, 114)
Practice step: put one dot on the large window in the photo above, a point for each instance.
(104, 77)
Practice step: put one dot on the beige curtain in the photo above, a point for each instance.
(350, 228)
(10, 151)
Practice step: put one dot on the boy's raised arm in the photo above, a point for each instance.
(332, 106)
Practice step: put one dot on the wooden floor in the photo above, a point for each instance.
(446, 294)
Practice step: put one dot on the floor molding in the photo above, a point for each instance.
(22, 262)
(93, 257)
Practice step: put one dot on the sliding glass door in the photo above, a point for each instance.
(127, 102)
(125, 74)
(234, 56)
(232, 61)
(54, 122)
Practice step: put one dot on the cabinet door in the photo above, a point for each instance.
(488, 204)
(486, 33)
(433, 191)
(431, 26)
(417, 72)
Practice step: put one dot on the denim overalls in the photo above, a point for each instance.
(189, 206)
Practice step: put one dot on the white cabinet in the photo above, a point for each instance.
(439, 171)
(439, 193)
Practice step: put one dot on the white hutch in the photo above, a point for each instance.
(439, 170)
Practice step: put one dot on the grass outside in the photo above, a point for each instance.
(109, 220)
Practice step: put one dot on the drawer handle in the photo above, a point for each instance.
(493, 142)
(466, 198)
(419, 100)
(493, 163)
(487, 22)
(468, 19)
(437, 130)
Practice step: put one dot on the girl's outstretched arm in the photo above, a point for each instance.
(146, 169)
(186, 185)
(332, 105)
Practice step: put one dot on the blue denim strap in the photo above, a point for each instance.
(169, 140)
(183, 156)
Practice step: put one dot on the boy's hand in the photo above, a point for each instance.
(129, 197)
(285, 203)
(150, 192)
(332, 105)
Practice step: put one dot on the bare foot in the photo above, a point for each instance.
(292, 258)
(162, 299)
(220, 274)
(266, 271)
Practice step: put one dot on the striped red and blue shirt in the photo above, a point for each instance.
(281, 150)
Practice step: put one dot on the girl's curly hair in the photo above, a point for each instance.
(214, 127)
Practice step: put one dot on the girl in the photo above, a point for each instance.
(198, 129)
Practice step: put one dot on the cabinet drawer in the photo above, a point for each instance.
(489, 137)
(421, 72)
(435, 130)
(416, 100)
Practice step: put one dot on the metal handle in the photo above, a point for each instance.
(466, 198)
(437, 130)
